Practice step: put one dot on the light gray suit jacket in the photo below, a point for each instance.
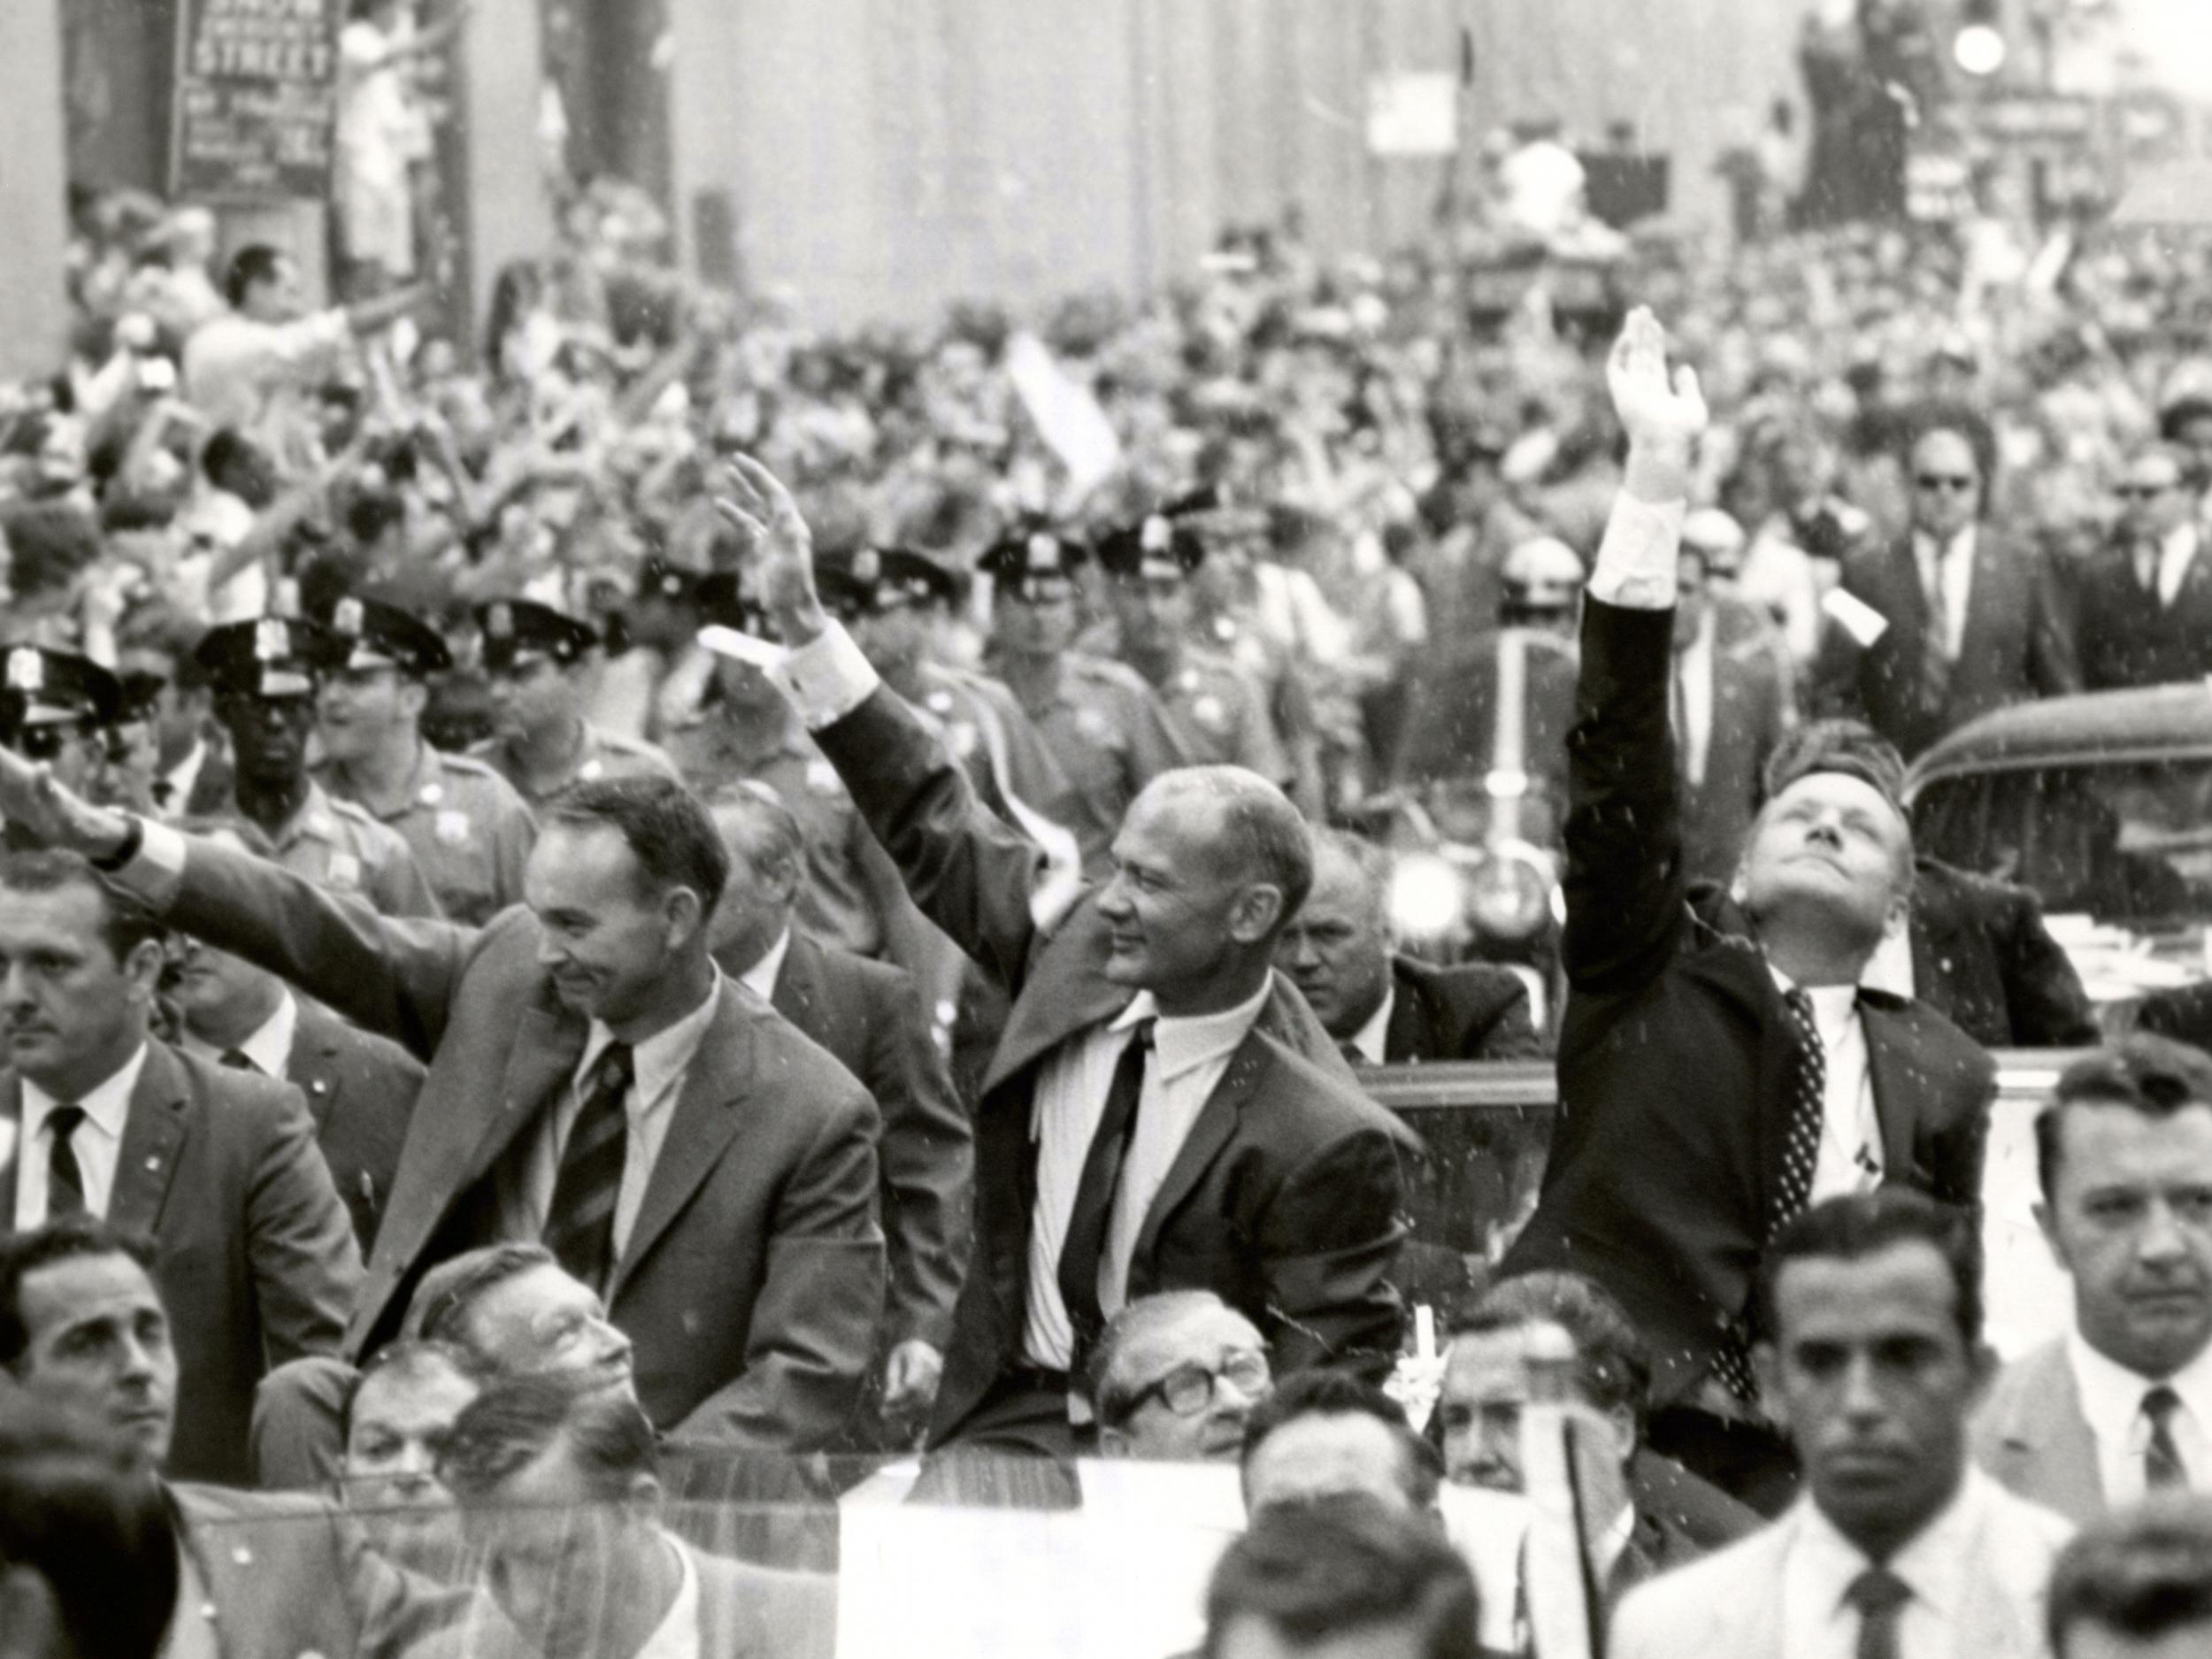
(2031, 1435)
(1729, 1605)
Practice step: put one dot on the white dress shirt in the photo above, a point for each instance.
(1189, 1057)
(269, 1047)
(761, 978)
(1818, 1623)
(1371, 1041)
(182, 779)
(658, 1067)
(1850, 1158)
(2174, 555)
(1694, 681)
(677, 1635)
(1949, 570)
(98, 1143)
(2112, 1400)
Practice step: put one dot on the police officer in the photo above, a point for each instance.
(470, 831)
(56, 707)
(1100, 720)
(264, 675)
(539, 662)
(1218, 709)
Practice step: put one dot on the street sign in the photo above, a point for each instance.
(256, 100)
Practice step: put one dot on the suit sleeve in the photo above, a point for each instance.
(971, 873)
(927, 1153)
(813, 1327)
(2043, 998)
(1625, 885)
(2054, 661)
(299, 1245)
(1327, 1245)
(1506, 1031)
(400, 888)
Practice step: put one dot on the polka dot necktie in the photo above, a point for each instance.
(1806, 1104)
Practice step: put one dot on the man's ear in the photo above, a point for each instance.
(683, 913)
(143, 965)
(1254, 913)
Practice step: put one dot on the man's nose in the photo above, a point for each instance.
(2161, 1241)
(1862, 1400)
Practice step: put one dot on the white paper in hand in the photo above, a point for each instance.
(1861, 621)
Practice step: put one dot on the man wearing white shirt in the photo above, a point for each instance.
(2146, 599)
(2120, 1406)
(1898, 1549)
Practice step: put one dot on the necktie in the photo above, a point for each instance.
(65, 1180)
(1935, 642)
(1879, 1595)
(1092, 1219)
(1352, 1056)
(1806, 1105)
(2162, 1468)
(580, 1224)
(237, 1060)
(2147, 566)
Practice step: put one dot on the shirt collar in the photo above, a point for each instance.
(271, 1047)
(2112, 1396)
(677, 1635)
(1932, 1563)
(1184, 1042)
(1960, 546)
(1371, 1041)
(761, 978)
(106, 1105)
(1832, 1004)
(658, 1062)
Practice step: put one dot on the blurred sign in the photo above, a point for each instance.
(1413, 115)
(1938, 188)
(257, 97)
(2034, 120)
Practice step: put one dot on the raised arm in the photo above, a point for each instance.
(1625, 885)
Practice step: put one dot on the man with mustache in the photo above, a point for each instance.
(1871, 1312)
(2120, 1407)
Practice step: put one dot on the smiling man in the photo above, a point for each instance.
(1163, 1111)
(593, 1084)
(2120, 1406)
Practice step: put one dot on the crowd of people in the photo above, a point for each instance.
(707, 896)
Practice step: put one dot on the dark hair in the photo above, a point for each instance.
(1265, 834)
(256, 263)
(663, 823)
(1313, 1571)
(50, 544)
(228, 455)
(516, 1420)
(443, 1299)
(1962, 421)
(2182, 413)
(125, 923)
(1612, 1360)
(2154, 1075)
(62, 1240)
(1856, 1225)
(74, 1512)
(1850, 746)
(2144, 1572)
(407, 1358)
(1324, 1393)
(160, 626)
(372, 513)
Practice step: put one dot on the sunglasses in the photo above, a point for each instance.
(1960, 483)
(47, 742)
(2141, 492)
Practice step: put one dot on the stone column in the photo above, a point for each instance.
(33, 189)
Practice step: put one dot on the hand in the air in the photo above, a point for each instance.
(1658, 410)
(31, 799)
(753, 501)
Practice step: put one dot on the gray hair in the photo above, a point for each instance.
(1266, 835)
(759, 826)
(1112, 1386)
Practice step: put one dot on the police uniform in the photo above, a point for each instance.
(518, 631)
(469, 832)
(1218, 709)
(333, 843)
(56, 706)
(1100, 720)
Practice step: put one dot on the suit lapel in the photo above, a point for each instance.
(546, 1047)
(708, 1114)
(798, 982)
(1067, 991)
(1893, 1084)
(1217, 1121)
(153, 1131)
(11, 1144)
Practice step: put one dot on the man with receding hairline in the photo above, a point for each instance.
(1162, 1111)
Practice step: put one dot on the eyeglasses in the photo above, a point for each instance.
(1960, 483)
(1189, 1389)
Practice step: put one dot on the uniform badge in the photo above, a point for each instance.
(939, 701)
(499, 621)
(1158, 536)
(432, 793)
(1044, 554)
(26, 669)
(960, 738)
(822, 778)
(453, 828)
(1208, 712)
(591, 771)
(867, 566)
(344, 873)
(272, 640)
(1093, 725)
(346, 617)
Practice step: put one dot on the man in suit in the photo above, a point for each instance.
(99, 1118)
(869, 1015)
(1952, 620)
(1719, 1067)
(1871, 1310)
(359, 1090)
(1974, 948)
(1163, 1111)
(592, 1082)
(1670, 1517)
(2136, 1586)
(2121, 1405)
(2145, 601)
(1729, 706)
(83, 1326)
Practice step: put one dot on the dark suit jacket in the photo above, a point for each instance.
(753, 1275)
(252, 1253)
(1675, 1045)
(1472, 1010)
(2018, 643)
(2127, 638)
(1285, 1197)
(1750, 708)
(869, 1014)
(361, 1090)
(1982, 957)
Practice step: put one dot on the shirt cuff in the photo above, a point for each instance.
(1635, 567)
(828, 678)
(156, 872)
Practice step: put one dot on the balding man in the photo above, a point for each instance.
(1174, 1377)
(1163, 1110)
